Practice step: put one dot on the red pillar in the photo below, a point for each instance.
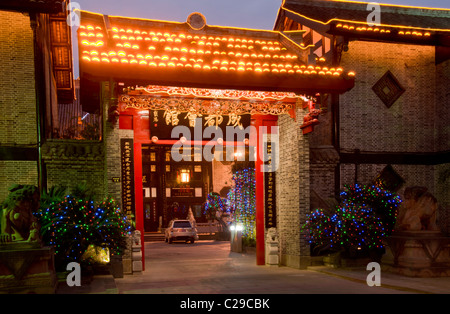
(259, 176)
(138, 197)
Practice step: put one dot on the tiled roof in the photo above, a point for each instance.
(172, 53)
(353, 11)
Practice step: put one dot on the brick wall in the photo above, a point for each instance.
(416, 122)
(17, 98)
(442, 172)
(408, 125)
(17, 84)
(222, 175)
(113, 163)
(16, 172)
(292, 188)
(442, 112)
(442, 193)
(72, 162)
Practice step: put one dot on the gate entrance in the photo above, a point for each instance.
(171, 188)
(149, 67)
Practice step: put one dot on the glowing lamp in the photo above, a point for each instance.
(185, 176)
(236, 227)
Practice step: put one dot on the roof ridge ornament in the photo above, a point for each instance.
(196, 21)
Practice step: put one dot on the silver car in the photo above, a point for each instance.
(180, 230)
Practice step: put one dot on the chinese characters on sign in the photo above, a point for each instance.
(162, 122)
(269, 191)
(127, 159)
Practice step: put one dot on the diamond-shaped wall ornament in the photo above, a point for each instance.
(388, 89)
(389, 179)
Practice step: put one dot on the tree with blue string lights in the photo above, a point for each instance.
(365, 216)
(73, 225)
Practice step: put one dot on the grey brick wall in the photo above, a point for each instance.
(416, 122)
(16, 172)
(409, 124)
(17, 98)
(72, 162)
(17, 84)
(112, 166)
(292, 188)
(442, 112)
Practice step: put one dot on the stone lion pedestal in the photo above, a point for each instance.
(26, 268)
(417, 248)
(418, 254)
(272, 245)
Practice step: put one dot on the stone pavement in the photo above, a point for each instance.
(208, 267)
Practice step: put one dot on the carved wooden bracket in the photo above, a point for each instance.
(311, 119)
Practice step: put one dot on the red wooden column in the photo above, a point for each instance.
(138, 197)
(259, 177)
(263, 125)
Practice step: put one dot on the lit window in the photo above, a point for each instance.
(185, 176)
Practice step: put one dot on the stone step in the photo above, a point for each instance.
(153, 237)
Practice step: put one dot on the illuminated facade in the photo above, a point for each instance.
(391, 125)
(155, 76)
(351, 102)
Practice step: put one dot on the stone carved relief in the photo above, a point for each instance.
(66, 149)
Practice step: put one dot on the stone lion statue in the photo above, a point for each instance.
(17, 222)
(272, 235)
(137, 238)
(418, 211)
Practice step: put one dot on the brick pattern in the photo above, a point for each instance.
(73, 172)
(17, 83)
(442, 188)
(413, 174)
(72, 162)
(408, 125)
(16, 172)
(292, 188)
(17, 98)
(416, 122)
(442, 113)
(222, 175)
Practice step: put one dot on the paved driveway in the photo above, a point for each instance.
(208, 267)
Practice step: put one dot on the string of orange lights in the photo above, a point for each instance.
(179, 50)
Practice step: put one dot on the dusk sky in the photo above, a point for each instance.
(258, 14)
(241, 13)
